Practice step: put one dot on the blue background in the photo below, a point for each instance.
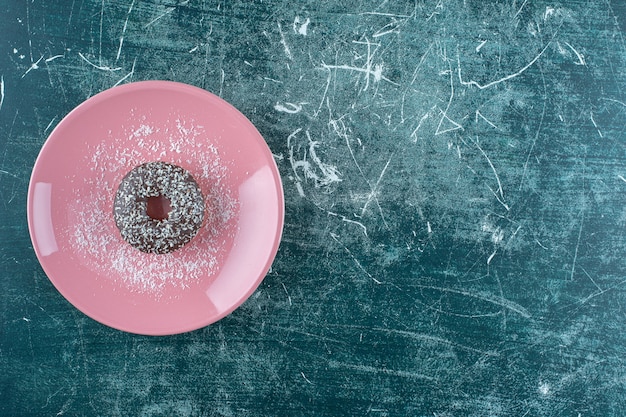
(455, 180)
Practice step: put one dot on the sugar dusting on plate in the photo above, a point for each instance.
(95, 239)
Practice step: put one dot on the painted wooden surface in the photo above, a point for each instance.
(455, 182)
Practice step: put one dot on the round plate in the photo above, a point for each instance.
(70, 208)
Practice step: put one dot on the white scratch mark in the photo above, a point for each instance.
(493, 168)
(614, 101)
(49, 124)
(543, 114)
(369, 69)
(491, 256)
(444, 113)
(596, 126)
(387, 29)
(100, 67)
(286, 292)
(305, 378)
(580, 232)
(480, 46)
(413, 79)
(520, 9)
(64, 408)
(119, 49)
(499, 198)
(356, 261)
(52, 58)
(283, 42)
(222, 77)
(9, 174)
(581, 58)
(374, 190)
(379, 34)
(290, 108)
(100, 43)
(347, 220)
(479, 114)
(340, 128)
(30, 40)
(490, 298)
(328, 80)
(421, 121)
(444, 116)
(329, 173)
(497, 234)
(377, 72)
(403, 16)
(514, 233)
(156, 19)
(600, 292)
(503, 79)
(1, 91)
(419, 64)
(299, 188)
(50, 396)
(593, 281)
(435, 12)
(130, 74)
(430, 339)
(383, 370)
(301, 27)
(34, 66)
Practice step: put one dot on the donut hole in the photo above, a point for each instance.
(158, 208)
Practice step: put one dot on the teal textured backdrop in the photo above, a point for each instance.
(455, 183)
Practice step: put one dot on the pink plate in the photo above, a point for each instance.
(70, 208)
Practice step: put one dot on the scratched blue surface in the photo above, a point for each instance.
(455, 179)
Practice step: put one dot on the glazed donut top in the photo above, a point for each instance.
(158, 207)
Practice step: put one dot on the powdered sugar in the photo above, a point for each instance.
(97, 241)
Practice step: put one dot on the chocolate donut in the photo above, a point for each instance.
(158, 207)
